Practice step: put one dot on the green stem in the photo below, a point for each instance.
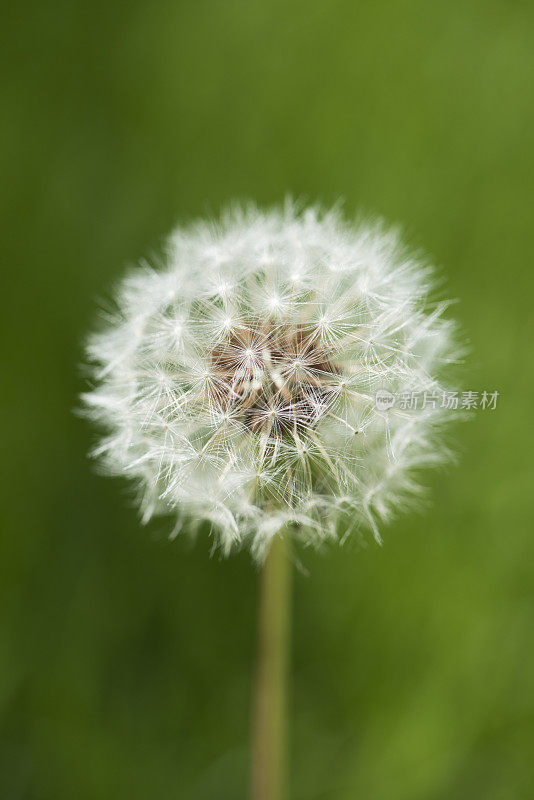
(269, 740)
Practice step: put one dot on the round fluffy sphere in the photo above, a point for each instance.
(239, 383)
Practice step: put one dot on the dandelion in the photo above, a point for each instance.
(238, 384)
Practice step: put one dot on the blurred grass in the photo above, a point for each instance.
(125, 661)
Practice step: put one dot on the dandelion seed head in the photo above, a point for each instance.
(237, 385)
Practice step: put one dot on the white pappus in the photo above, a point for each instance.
(237, 384)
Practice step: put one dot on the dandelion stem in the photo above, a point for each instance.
(269, 741)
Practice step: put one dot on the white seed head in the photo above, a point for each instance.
(238, 385)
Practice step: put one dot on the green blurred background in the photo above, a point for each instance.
(125, 660)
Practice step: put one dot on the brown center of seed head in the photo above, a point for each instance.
(277, 380)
